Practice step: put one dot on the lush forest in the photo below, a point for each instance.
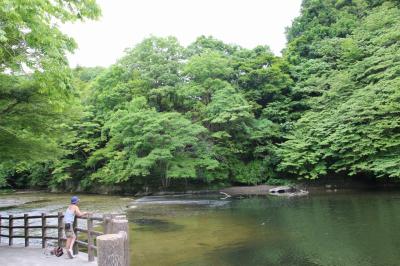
(209, 114)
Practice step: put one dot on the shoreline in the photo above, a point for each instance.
(325, 185)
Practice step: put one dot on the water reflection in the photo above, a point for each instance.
(340, 229)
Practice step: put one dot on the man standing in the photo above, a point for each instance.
(69, 217)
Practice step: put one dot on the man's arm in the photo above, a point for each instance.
(79, 213)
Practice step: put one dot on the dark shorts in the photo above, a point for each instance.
(69, 231)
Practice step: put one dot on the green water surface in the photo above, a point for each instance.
(328, 229)
(357, 228)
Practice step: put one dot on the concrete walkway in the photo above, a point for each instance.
(33, 256)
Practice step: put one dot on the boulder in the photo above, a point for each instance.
(287, 191)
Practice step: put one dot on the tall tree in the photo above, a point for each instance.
(35, 80)
(353, 126)
(150, 144)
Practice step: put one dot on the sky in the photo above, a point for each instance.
(125, 23)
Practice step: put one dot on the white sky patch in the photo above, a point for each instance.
(125, 23)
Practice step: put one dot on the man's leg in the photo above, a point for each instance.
(72, 245)
(68, 246)
(68, 243)
(72, 242)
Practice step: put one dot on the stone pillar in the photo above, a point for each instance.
(122, 226)
(110, 250)
(115, 225)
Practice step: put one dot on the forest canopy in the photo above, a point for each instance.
(210, 113)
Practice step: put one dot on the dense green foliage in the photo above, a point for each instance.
(349, 79)
(36, 91)
(168, 113)
(165, 114)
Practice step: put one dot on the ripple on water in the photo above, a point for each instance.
(159, 225)
(173, 200)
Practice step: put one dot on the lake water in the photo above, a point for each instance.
(357, 228)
